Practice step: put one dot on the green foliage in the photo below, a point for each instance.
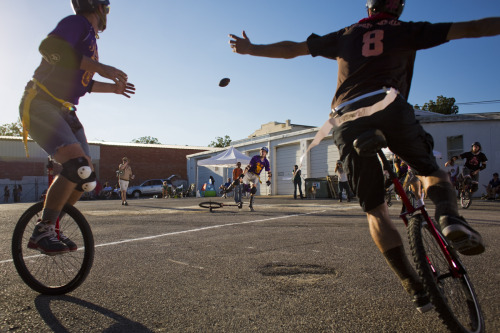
(443, 105)
(147, 140)
(221, 142)
(13, 129)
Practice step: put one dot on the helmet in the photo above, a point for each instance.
(394, 7)
(87, 5)
(265, 149)
(476, 144)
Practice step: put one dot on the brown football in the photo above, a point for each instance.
(224, 82)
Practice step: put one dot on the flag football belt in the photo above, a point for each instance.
(31, 93)
(337, 117)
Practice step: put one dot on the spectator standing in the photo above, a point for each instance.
(124, 177)
(343, 183)
(297, 182)
(19, 192)
(6, 193)
(238, 186)
(14, 193)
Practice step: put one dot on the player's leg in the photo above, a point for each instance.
(409, 140)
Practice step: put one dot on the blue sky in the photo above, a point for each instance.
(175, 52)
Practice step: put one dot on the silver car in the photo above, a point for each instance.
(148, 188)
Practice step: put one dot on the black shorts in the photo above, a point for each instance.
(405, 138)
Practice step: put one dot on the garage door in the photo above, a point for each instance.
(323, 159)
(286, 158)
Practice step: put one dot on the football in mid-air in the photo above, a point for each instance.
(224, 82)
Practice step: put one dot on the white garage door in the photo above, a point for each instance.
(286, 158)
(323, 159)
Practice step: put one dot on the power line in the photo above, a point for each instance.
(495, 101)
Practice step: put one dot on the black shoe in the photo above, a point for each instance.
(45, 240)
(461, 235)
(422, 302)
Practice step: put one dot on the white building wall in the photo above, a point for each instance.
(320, 161)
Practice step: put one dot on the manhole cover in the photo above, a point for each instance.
(284, 269)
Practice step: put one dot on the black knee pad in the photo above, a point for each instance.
(87, 185)
(78, 170)
(253, 190)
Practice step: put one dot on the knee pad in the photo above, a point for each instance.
(253, 190)
(78, 170)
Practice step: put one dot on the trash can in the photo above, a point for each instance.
(321, 185)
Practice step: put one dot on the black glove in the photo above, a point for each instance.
(242, 176)
(268, 183)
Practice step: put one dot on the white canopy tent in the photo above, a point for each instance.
(226, 159)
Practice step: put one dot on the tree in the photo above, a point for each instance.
(147, 140)
(221, 142)
(443, 105)
(13, 129)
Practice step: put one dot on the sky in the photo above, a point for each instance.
(177, 51)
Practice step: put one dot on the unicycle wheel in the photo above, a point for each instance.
(211, 205)
(53, 274)
(451, 292)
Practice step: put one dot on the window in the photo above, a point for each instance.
(455, 145)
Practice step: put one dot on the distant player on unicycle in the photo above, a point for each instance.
(251, 174)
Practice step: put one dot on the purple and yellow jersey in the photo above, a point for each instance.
(67, 83)
(256, 165)
(380, 53)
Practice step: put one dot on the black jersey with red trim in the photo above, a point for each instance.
(473, 161)
(374, 54)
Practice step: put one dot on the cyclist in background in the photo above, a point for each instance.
(475, 161)
(375, 66)
(69, 62)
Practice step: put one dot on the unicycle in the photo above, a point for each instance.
(53, 274)
(211, 205)
(444, 276)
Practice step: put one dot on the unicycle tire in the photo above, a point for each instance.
(53, 274)
(211, 205)
(453, 297)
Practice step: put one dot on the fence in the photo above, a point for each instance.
(32, 189)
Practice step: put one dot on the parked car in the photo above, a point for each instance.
(149, 187)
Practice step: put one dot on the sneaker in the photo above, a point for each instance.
(251, 208)
(461, 235)
(422, 301)
(126, 203)
(44, 239)
(69, 243)
(240, 205)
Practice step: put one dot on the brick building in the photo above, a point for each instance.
(147, 160)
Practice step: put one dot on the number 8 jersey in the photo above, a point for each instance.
(377, 52)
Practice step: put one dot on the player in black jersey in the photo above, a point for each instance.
(375, 67)
(475, 161)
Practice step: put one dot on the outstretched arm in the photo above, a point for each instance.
(473, 29)
(120, 85)
(284, 50)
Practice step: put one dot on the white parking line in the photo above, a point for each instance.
(193, 230)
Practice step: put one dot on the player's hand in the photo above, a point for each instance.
(112, 73)
(268, 183)
(126, 89)
(240, 45)
(242, 176)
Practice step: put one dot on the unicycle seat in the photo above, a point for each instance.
(370, 142)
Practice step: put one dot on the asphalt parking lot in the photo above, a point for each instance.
(167, 265)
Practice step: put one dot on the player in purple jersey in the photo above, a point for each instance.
(375, 67)
(48, 112)
(252, 172)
